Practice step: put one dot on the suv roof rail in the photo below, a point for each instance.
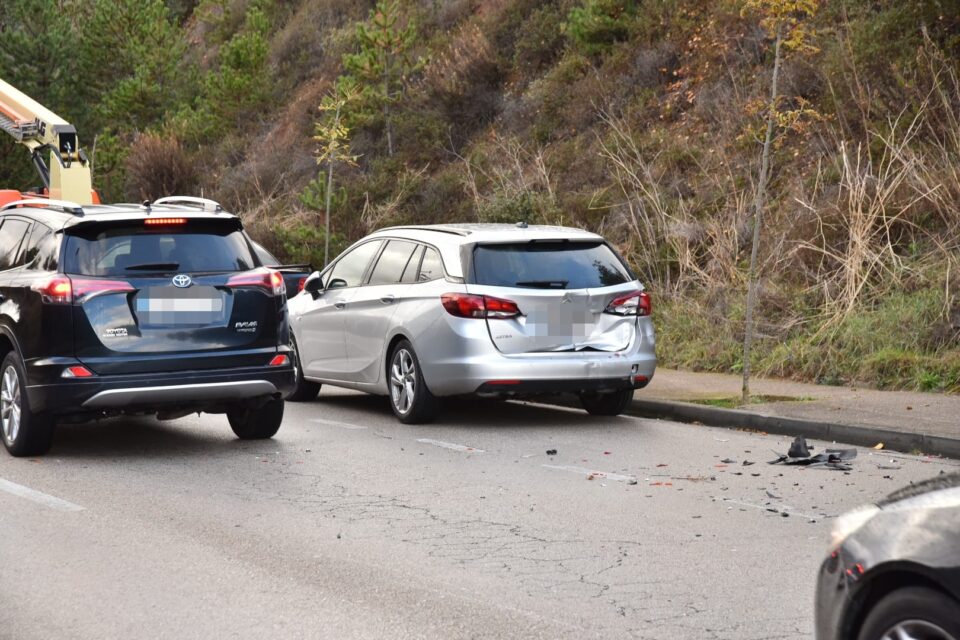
(204, 203)
(43, 203)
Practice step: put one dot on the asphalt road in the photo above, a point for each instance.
(350, 525)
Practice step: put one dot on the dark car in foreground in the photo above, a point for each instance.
(894, 572)
(161, 309)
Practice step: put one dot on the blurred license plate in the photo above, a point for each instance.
(168, 305)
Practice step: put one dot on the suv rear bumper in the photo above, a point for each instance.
(154, 391)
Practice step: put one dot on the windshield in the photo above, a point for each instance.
(132, 250)
(549, 265)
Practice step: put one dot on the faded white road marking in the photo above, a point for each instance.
(342, 425)
(779, 507)
(450, 445)
(38, 496)
(590, 472)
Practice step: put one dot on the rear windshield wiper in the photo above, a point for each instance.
(154, 266)
(543, 284)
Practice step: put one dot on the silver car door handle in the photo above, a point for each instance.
(339, 305)
(387, 299)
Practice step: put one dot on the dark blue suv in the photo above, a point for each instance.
(160, 309)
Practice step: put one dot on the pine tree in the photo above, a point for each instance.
(383, 65)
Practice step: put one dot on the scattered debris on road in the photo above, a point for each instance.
(799, 454)
(551, 452)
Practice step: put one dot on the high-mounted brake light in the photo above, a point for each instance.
(64, 290)
(157, 222)
(635, 303)
(268, 279)
(465, 305)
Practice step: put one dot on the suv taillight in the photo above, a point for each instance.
(635, 303)
(268, 279)
(464, 305)
(60, 289)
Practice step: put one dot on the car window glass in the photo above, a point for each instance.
(126, 249)
(11, 237)
(559, 265)
(410, 273)
(432, 267)
(265, 257)
(392, 262)
(349, 270)
(39, 233)
(48, 253)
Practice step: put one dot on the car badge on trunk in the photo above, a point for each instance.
(566, 299)
(182, 280)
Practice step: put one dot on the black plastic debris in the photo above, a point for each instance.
(747, 463)
(799, 448)
(799, 454)
(551, 452)
(728, 461)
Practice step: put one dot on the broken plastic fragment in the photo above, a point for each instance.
(551, 452)
(879, 445)
(799, 448)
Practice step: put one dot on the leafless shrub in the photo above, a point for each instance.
(158, 166)
(674, 247)
(520, 174)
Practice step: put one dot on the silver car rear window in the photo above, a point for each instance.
(548, 265)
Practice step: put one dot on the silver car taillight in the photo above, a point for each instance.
(635, 303)
(465, 305)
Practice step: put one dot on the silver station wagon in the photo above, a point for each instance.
(419, 313)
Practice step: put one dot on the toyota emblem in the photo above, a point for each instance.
(182, 280)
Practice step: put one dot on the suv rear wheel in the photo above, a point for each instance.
(256, 424)
(410, 398)
(606, 404)
(24, 433)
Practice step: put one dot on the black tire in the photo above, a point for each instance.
(917, 606)
(257, 424)
(24, 433)
(304, 391)
(404, 377)
(606, 404)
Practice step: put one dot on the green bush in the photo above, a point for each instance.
(596, 25)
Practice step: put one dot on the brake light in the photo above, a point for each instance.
(300, 283)
(279, 360)
(64, 290)
(55, 290)
(464, 305)
(635, 303)
(156, 222)
(268, 279)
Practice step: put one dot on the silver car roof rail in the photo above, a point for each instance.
(43, 203)
(203, 203)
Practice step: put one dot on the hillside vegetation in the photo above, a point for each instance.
(638, 119)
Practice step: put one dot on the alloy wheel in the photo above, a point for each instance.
(916, 630)
(10, 404)
(403, 381)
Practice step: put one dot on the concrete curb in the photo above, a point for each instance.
(849, 434)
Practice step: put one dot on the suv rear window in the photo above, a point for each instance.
(548, 265)
(132, 249)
